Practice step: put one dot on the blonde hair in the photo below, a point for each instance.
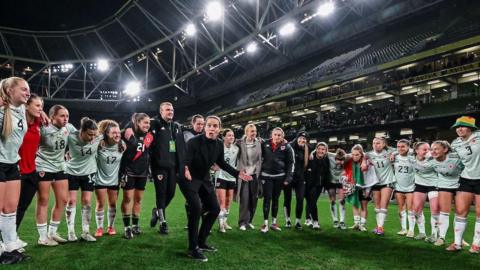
(247, 127)
(5, 85)
(444, 144)
(104, 127)
(278, 129)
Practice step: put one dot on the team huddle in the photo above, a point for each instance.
(40, 152)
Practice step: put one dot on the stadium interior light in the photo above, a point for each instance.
(252, 47)
(190, 30)
(287, 29)
(132, 88)
(326, 9)
(214, 11)
(103, 65)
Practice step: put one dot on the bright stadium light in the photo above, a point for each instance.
(103, 65)
(214, 11)
(326, 9)
(287, 29)
(190, 30)
(132, 88)
(252, 47)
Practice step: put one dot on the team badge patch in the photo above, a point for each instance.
(160, 177)
(282, 147)
(41, 174)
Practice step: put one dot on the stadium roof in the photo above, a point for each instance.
(57, 45)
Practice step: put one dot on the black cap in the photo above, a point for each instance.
(302, 134)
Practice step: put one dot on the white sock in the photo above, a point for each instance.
(99, 217)
(225, 215)
(363, 221)
(476, 235)
(265, 222)
(403, 220)
(70, 212)
(443, 223)
(460, 225)
(377, 217)
(220, 217)
(356, 220)
(333, 211)
(274, 220)
(297, 221)
(53, 227)
(86, 216)
(420, 219)
(9, 227)
(112, 212)
(411, 221)
(434, 223)
(42, 231)
(342, 211)
(382, 215)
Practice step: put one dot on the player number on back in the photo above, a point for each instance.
(469, 150)
(88, 152)
(380, 164)
(20, 124)
(59, 145)
(111, 160)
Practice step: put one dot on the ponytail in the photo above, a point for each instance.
(7, 122)
(87, 124)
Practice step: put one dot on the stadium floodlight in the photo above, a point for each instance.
(214, 11)
(287, 29)
(252, 47)
(326, 9)
(103, 65)
(190, 30)
(132, 88)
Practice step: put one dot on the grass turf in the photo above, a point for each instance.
(328, 248)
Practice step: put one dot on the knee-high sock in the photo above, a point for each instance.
(420, 219)
(403, 220)
(9, 230)
(460, 225)
(363, 221)
(99, 217)
(476, 235)
(42, 231)
(356, 220)
(434, 223)
(342, 211)
(411, 221)
(53, 227)
(443, 223)
(112, 212)
(333, 211)
(221, 217)
(70, 212)
(377, 218)
(382, 215)
(86, 216)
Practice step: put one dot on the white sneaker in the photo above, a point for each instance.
(71, 237)
(222, 229)
(242, 228)
(308, 222)
(22, 243)
(402, 232)
(316, 226)
(465, 243)
(58, 238)
(250, 225)
(47, 242)
(15, 245)
(228, 227)
(362, 228)
(88, 237)
(264, 228)
(439, 242)
(410, 234)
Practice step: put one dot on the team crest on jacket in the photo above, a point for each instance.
(282, 147)
(41, 174)
(160, 177)
(450, 166)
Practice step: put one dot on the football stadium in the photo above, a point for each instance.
(240, 134)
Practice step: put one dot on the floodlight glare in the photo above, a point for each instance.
(214, 11)
(287, 29)
(326, 9)
(190, 30)
(252, 47)
(102, 65)
(132, 88)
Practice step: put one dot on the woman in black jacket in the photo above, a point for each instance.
(300, 149)
(318, 174)
(277, 170)
(202, 152)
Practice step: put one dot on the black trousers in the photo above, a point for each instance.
(200, 195)
(165, 184)
(312, 198)
(272, 187)
(28, 189)
(299, 186)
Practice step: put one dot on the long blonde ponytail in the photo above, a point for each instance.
(5, 85)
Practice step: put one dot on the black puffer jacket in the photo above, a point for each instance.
(318, 171)
(278, 161)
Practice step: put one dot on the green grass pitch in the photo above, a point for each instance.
(328, 248)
